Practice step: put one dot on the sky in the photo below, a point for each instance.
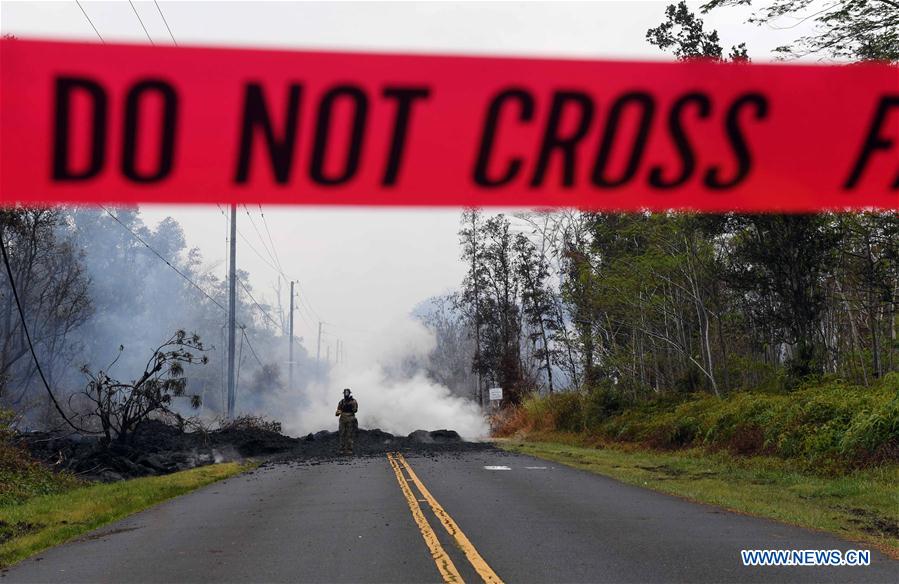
(362, 270)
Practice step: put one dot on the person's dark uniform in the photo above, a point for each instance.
(346, 409)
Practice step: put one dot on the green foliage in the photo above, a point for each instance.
(558, 411)
(683, 33)
(848, 29)
(21, 477)
(827, 425)
(601, 403)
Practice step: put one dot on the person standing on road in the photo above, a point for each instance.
(346, 409)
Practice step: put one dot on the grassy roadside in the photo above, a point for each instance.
(40, 522)
(861, 505)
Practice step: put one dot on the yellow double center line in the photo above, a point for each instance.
(444, 563)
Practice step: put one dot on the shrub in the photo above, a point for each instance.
(567, 411)
(600, 404)
(22, 477)
(870, 431)
(826, 424)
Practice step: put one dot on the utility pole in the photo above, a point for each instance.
(328, 357)
(232, 308)
(337, 358)
(318, 352)
(290, 345)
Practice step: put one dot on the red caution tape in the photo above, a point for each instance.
(88, 123)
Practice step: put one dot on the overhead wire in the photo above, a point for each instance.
(304, 303)
(250, 345)
(166, 22)
(90, 22)
(242, 326)
(141, 22)
(253, 248)
(272, 241)
(275, 263)
(303, 316)
(262, 241)
(161, 257)
(239, 360)
(259, 306)
(274, 257)
(304, 300)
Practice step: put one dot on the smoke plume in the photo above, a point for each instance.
(393, 392)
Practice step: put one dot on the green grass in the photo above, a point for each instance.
(47, 520)
(861, 505)
(21, 479)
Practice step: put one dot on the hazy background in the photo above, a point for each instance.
(361, 271)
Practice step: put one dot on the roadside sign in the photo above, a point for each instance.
(128, 124)
(496, 393)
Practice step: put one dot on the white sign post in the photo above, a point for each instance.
(496, 393)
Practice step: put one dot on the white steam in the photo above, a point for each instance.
(391, 396)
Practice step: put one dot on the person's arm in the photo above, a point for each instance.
(339, 408)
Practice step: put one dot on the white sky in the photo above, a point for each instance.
(364, 269)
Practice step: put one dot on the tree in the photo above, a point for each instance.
(779, 262)
(846, 29)
(501, 325)
(537, 303)
(683, 32)
(53, 287)
(119, 407)
(450, 363)
(470, 298)
(869, 263)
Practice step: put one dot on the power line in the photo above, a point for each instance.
(141, 22)
(305, 310)
(166, 22)
(37, 364)
(243, 327)
(259, 306)
(253, 249)
(250, 345)
(239, 360)
(244, 286)
(302, 314)
(304, 302)
(90, 22)
(262, 240)
(224, 406)
(167, 262)
(272, 241)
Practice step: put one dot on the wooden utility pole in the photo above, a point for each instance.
(232, 308)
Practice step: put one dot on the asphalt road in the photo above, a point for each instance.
(374, 520)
